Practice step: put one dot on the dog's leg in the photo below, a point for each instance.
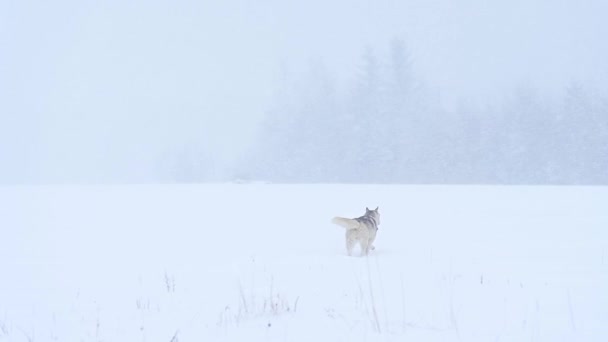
(364, 248)
(371, 243)
(350, 243)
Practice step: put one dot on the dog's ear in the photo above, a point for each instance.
(378, 207)
(367, 209)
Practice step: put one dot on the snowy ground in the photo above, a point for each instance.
(264, 263)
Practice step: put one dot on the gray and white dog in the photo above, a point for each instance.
(361, 229)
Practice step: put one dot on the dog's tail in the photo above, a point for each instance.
(345, 222)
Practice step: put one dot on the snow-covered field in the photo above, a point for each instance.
(264, 263)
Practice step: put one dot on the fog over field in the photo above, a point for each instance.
(170, 170)
(345, 91)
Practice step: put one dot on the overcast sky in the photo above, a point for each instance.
(94, 90)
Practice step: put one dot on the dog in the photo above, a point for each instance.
(361, 229)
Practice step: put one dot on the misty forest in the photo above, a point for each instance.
(404, 93)
(388, 126)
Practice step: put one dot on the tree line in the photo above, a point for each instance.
(387, 126)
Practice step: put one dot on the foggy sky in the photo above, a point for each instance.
(96, 92)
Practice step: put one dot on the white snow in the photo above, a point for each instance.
(243, 262)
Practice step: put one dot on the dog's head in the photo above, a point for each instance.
(373, 213)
